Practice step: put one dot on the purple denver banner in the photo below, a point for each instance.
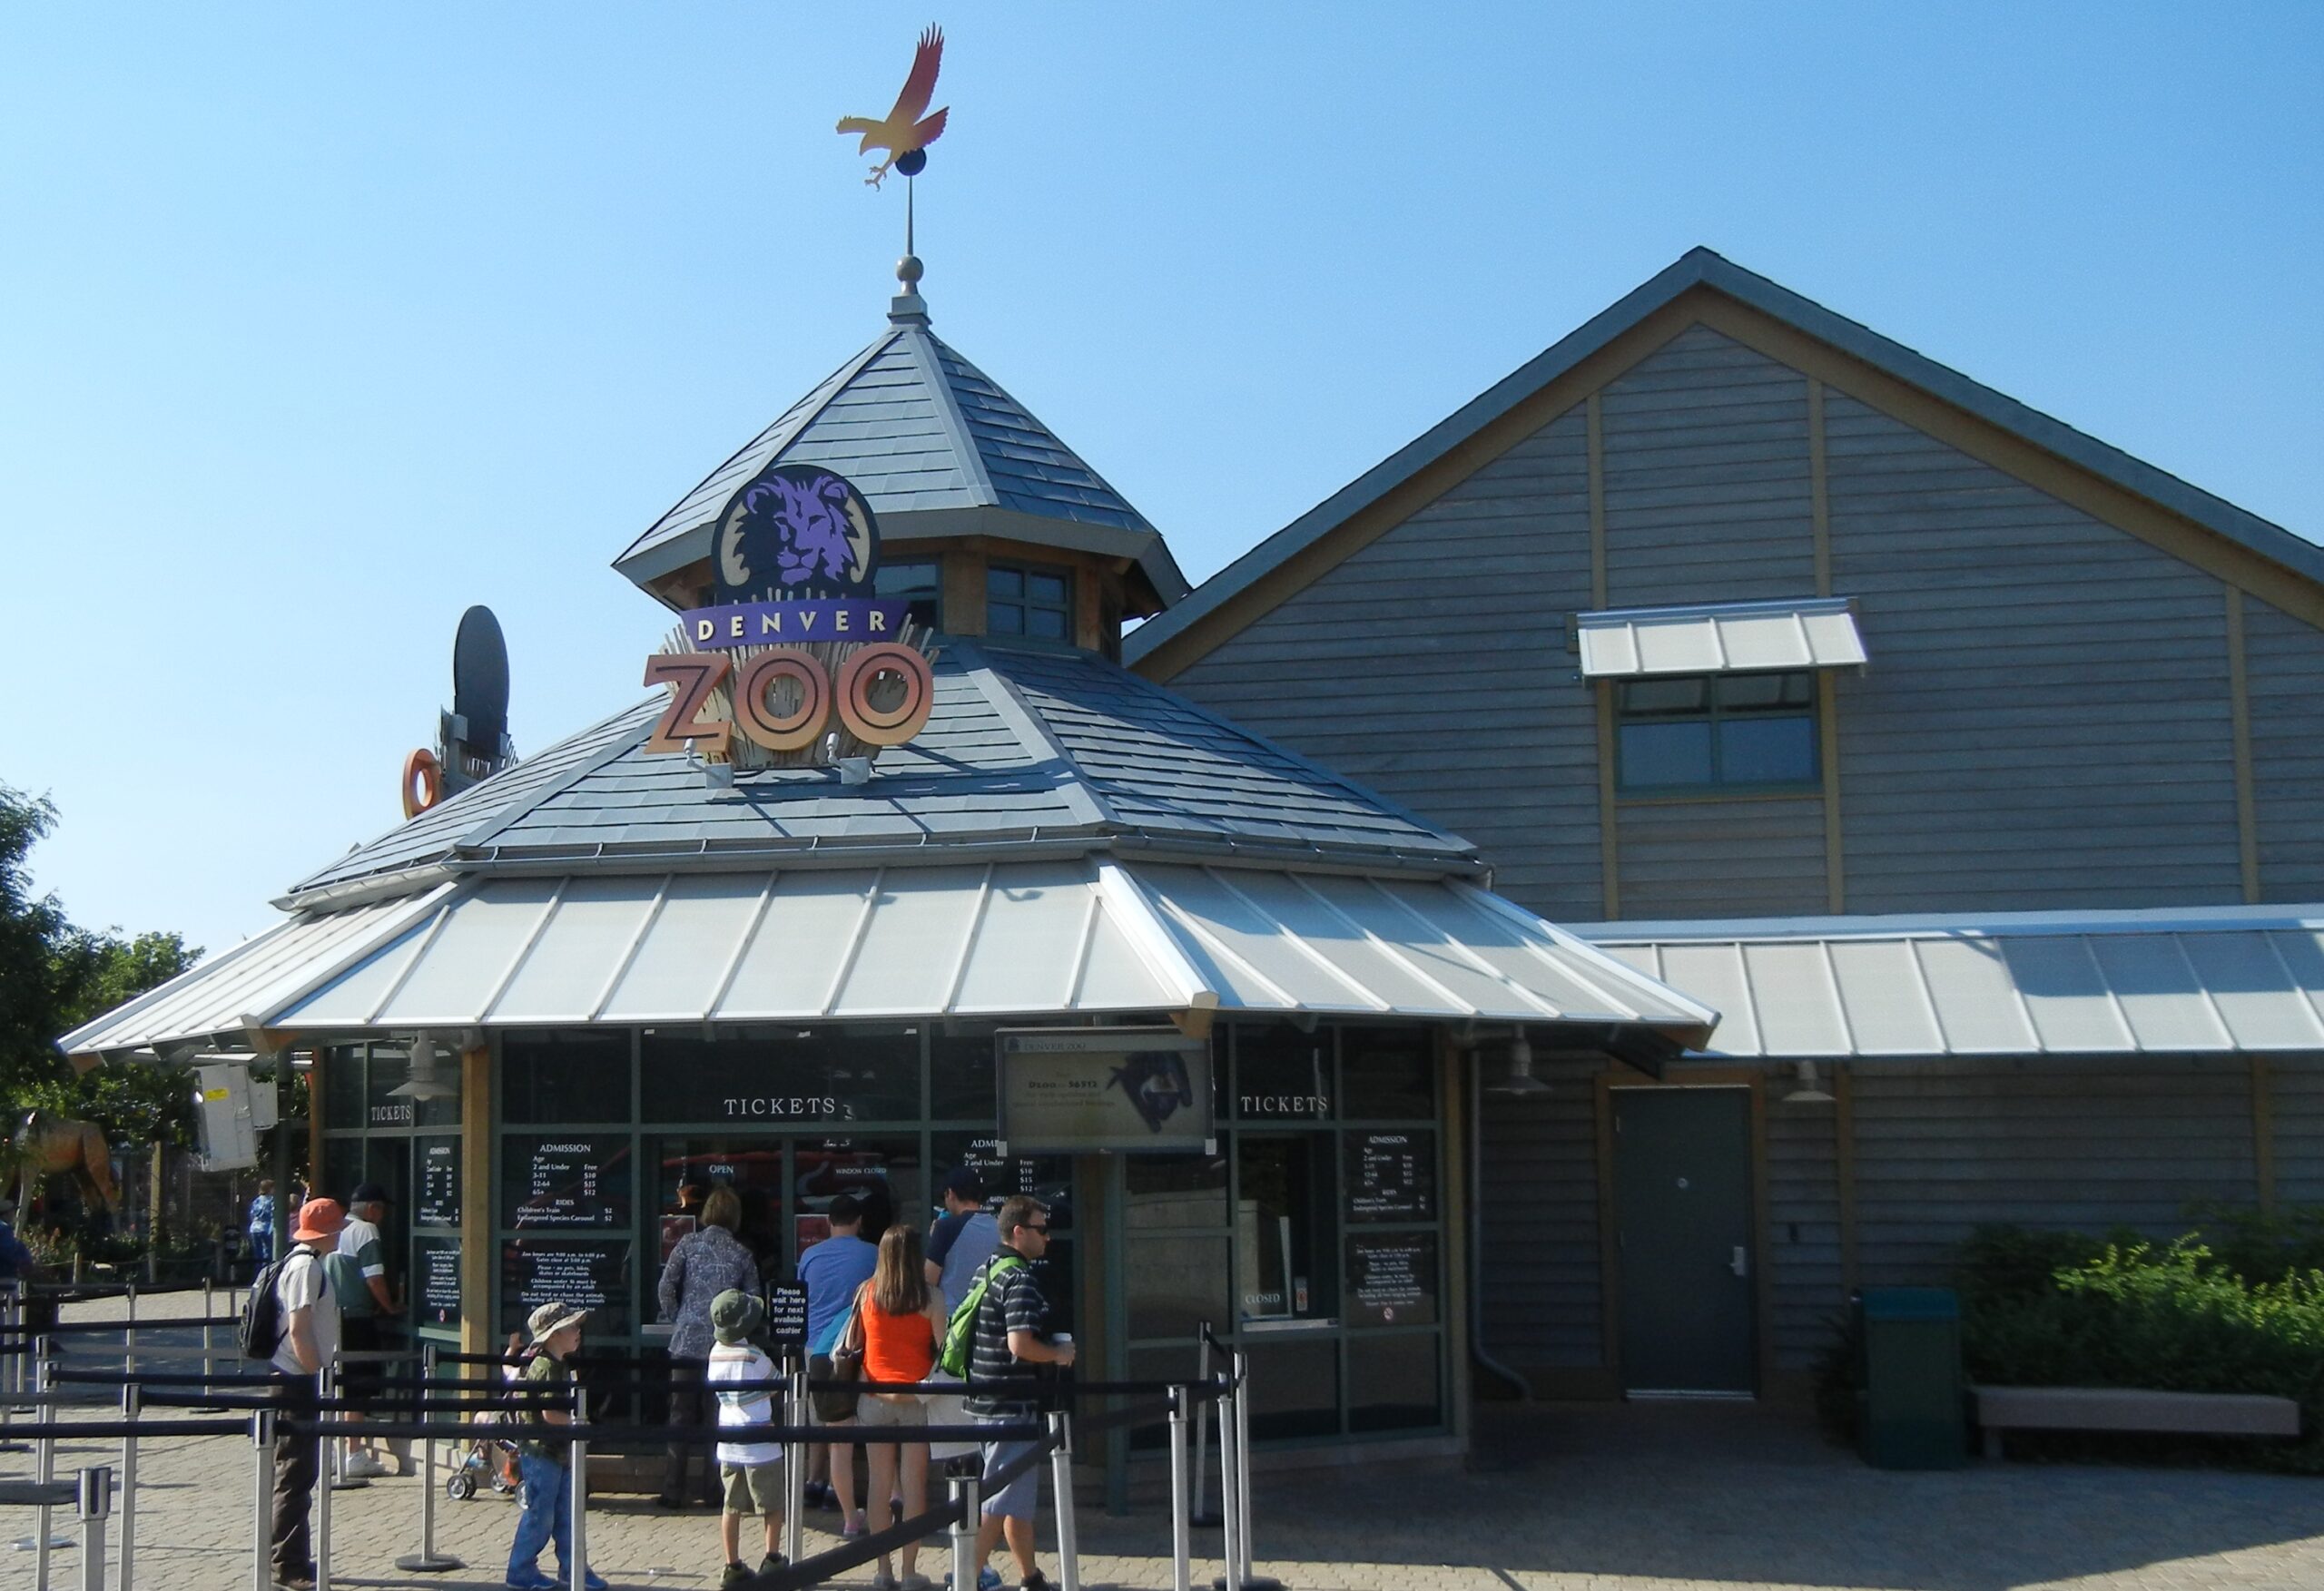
(795, 623)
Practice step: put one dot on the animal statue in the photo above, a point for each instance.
(907, 129)
(46, 1146)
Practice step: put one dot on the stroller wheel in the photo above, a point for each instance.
(501, 1483)
(460, 1486)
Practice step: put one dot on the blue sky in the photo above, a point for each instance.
(320, 323)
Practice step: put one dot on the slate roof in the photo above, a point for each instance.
(1703, 267)
(924, 434)
(1024, 749)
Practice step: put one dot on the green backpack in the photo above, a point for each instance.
(960, 1334)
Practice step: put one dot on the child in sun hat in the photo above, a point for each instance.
(752, 1470)
(555, 1330)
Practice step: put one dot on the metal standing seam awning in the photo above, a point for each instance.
(2204, 982)
(1733, 637)
(1076, 937)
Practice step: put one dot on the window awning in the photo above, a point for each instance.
(2212, 981)
(1731, 637)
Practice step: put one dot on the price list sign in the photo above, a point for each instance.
(567, 1182)
(439, 1183)
(590, 1276)
(1391, 1279)
(1391, 1177)
(437, 1262)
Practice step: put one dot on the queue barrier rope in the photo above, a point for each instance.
(99, 1328)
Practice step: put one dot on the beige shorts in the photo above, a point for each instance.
(876, 1410)
(753, 1488)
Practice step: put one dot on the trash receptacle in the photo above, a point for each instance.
(1909, 1339)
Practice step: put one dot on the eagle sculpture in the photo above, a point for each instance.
(908, 129)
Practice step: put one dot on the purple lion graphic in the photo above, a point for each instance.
(811, 528)
(803, 525)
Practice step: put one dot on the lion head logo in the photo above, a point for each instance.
(799, 530)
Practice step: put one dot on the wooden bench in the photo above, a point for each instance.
(2130, 1408)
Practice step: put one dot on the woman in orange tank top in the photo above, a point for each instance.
(900, 1320)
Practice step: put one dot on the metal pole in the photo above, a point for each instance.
(426, 1560)
(1068, 1537)
(1200, 1510)
(209, 1308)
(577, 1568)
(1242, 1362)
(965, 1489)
(1181, 1513)
(131, 1397)
(334, 1471)
(794, 1468)
(262, 1520)
(45, 1469)
(96, 1502)
(1229, 1474)
(327, 1381)
(129, 1337)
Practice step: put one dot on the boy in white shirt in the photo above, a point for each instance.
(752, 1471)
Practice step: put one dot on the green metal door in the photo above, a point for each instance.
(1682, 1216)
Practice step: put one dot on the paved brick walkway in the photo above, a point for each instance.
(1640, 1498)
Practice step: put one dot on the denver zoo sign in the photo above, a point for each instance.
(795, 663)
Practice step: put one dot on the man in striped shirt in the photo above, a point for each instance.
(1011, 1337)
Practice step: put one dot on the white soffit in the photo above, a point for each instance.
(2224, 983)
(1735, 637)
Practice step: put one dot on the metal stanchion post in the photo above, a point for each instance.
(326, 1445)
(426, 1560)
(1181, 1503)
(1246, 1579)
(129, 1337)
(96, 1502)
(1068, 1537)
(334, 1472)
(209, 1308)
(576, 1567)
(794, 1470)
(965, 1490)
(130, 1399)
(262, 1518)
(1229, 1475)
(45, 1469)
(1200, 1510)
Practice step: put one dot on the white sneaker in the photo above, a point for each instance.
(365, 1466)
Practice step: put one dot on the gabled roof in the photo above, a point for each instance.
(938, 447)
(1056, 751)
(1702, 268)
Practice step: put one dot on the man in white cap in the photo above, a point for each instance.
(555, 1330)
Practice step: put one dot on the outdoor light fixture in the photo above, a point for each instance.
(1520, 1078)
(1806, 1089)
(423, 1084)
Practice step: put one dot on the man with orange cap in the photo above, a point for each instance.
(309, 1317)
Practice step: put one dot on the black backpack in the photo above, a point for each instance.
(262, 1326)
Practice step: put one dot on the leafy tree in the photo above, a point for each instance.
(33, 935)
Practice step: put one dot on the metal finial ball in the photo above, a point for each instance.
(909, 271)
(913, 162)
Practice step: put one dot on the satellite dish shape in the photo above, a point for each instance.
(480, 682)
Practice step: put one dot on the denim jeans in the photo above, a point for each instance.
(549, 1515)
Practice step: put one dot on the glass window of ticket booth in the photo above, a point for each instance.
(391, 1116)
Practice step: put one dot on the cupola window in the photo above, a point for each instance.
(1035, 603)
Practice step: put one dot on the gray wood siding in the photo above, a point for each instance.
(2296, 1100)
(2130, 1142)
(1803, 1227)
(2284, 663)
(1541, 1291)
(1433, 666)
(2046, 720)
(1706, 476)
(1721, 859)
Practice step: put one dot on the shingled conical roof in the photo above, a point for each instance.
(939, 448)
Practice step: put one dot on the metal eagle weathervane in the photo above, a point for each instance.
(907, 130)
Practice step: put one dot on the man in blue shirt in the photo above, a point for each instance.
(831, 1271)
(962, 1239)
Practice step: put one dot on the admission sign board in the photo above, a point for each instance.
(1075, 1090)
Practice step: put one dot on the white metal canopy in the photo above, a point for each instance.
(2213, 981)
(1711, 638)
(1079, 936)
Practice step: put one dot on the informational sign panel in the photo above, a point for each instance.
(1391, 1177)
(1076, 1090)
(436, 1286)
(438, 1203)
(568, 1182)
(1391, 1279)
(594, 1276)
(786, 1314)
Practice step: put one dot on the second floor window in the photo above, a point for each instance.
(1038, 603)
(916, 582)
(1692, 733)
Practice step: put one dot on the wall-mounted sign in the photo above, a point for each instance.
(1391, 1177)
(786, 1314)
(794, 664)
(1070, 1090)
(1391, 1279)
(594, 1276)
(567, 1182)
(438, 1203)
(437, 1285)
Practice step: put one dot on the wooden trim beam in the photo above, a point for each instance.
(1610, 837)
(1597, 467)
(1819, 497)
(1844, 1173)
(476, 1333)
(2239, 690)
(963, 581)
(1609, 1238)
(1827, 753)
(1460, 1298)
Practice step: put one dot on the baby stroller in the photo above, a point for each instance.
(490, 1458)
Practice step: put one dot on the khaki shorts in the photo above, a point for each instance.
(753, 1488)
(875, 1410)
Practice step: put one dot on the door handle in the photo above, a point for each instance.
(1741, 1264)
